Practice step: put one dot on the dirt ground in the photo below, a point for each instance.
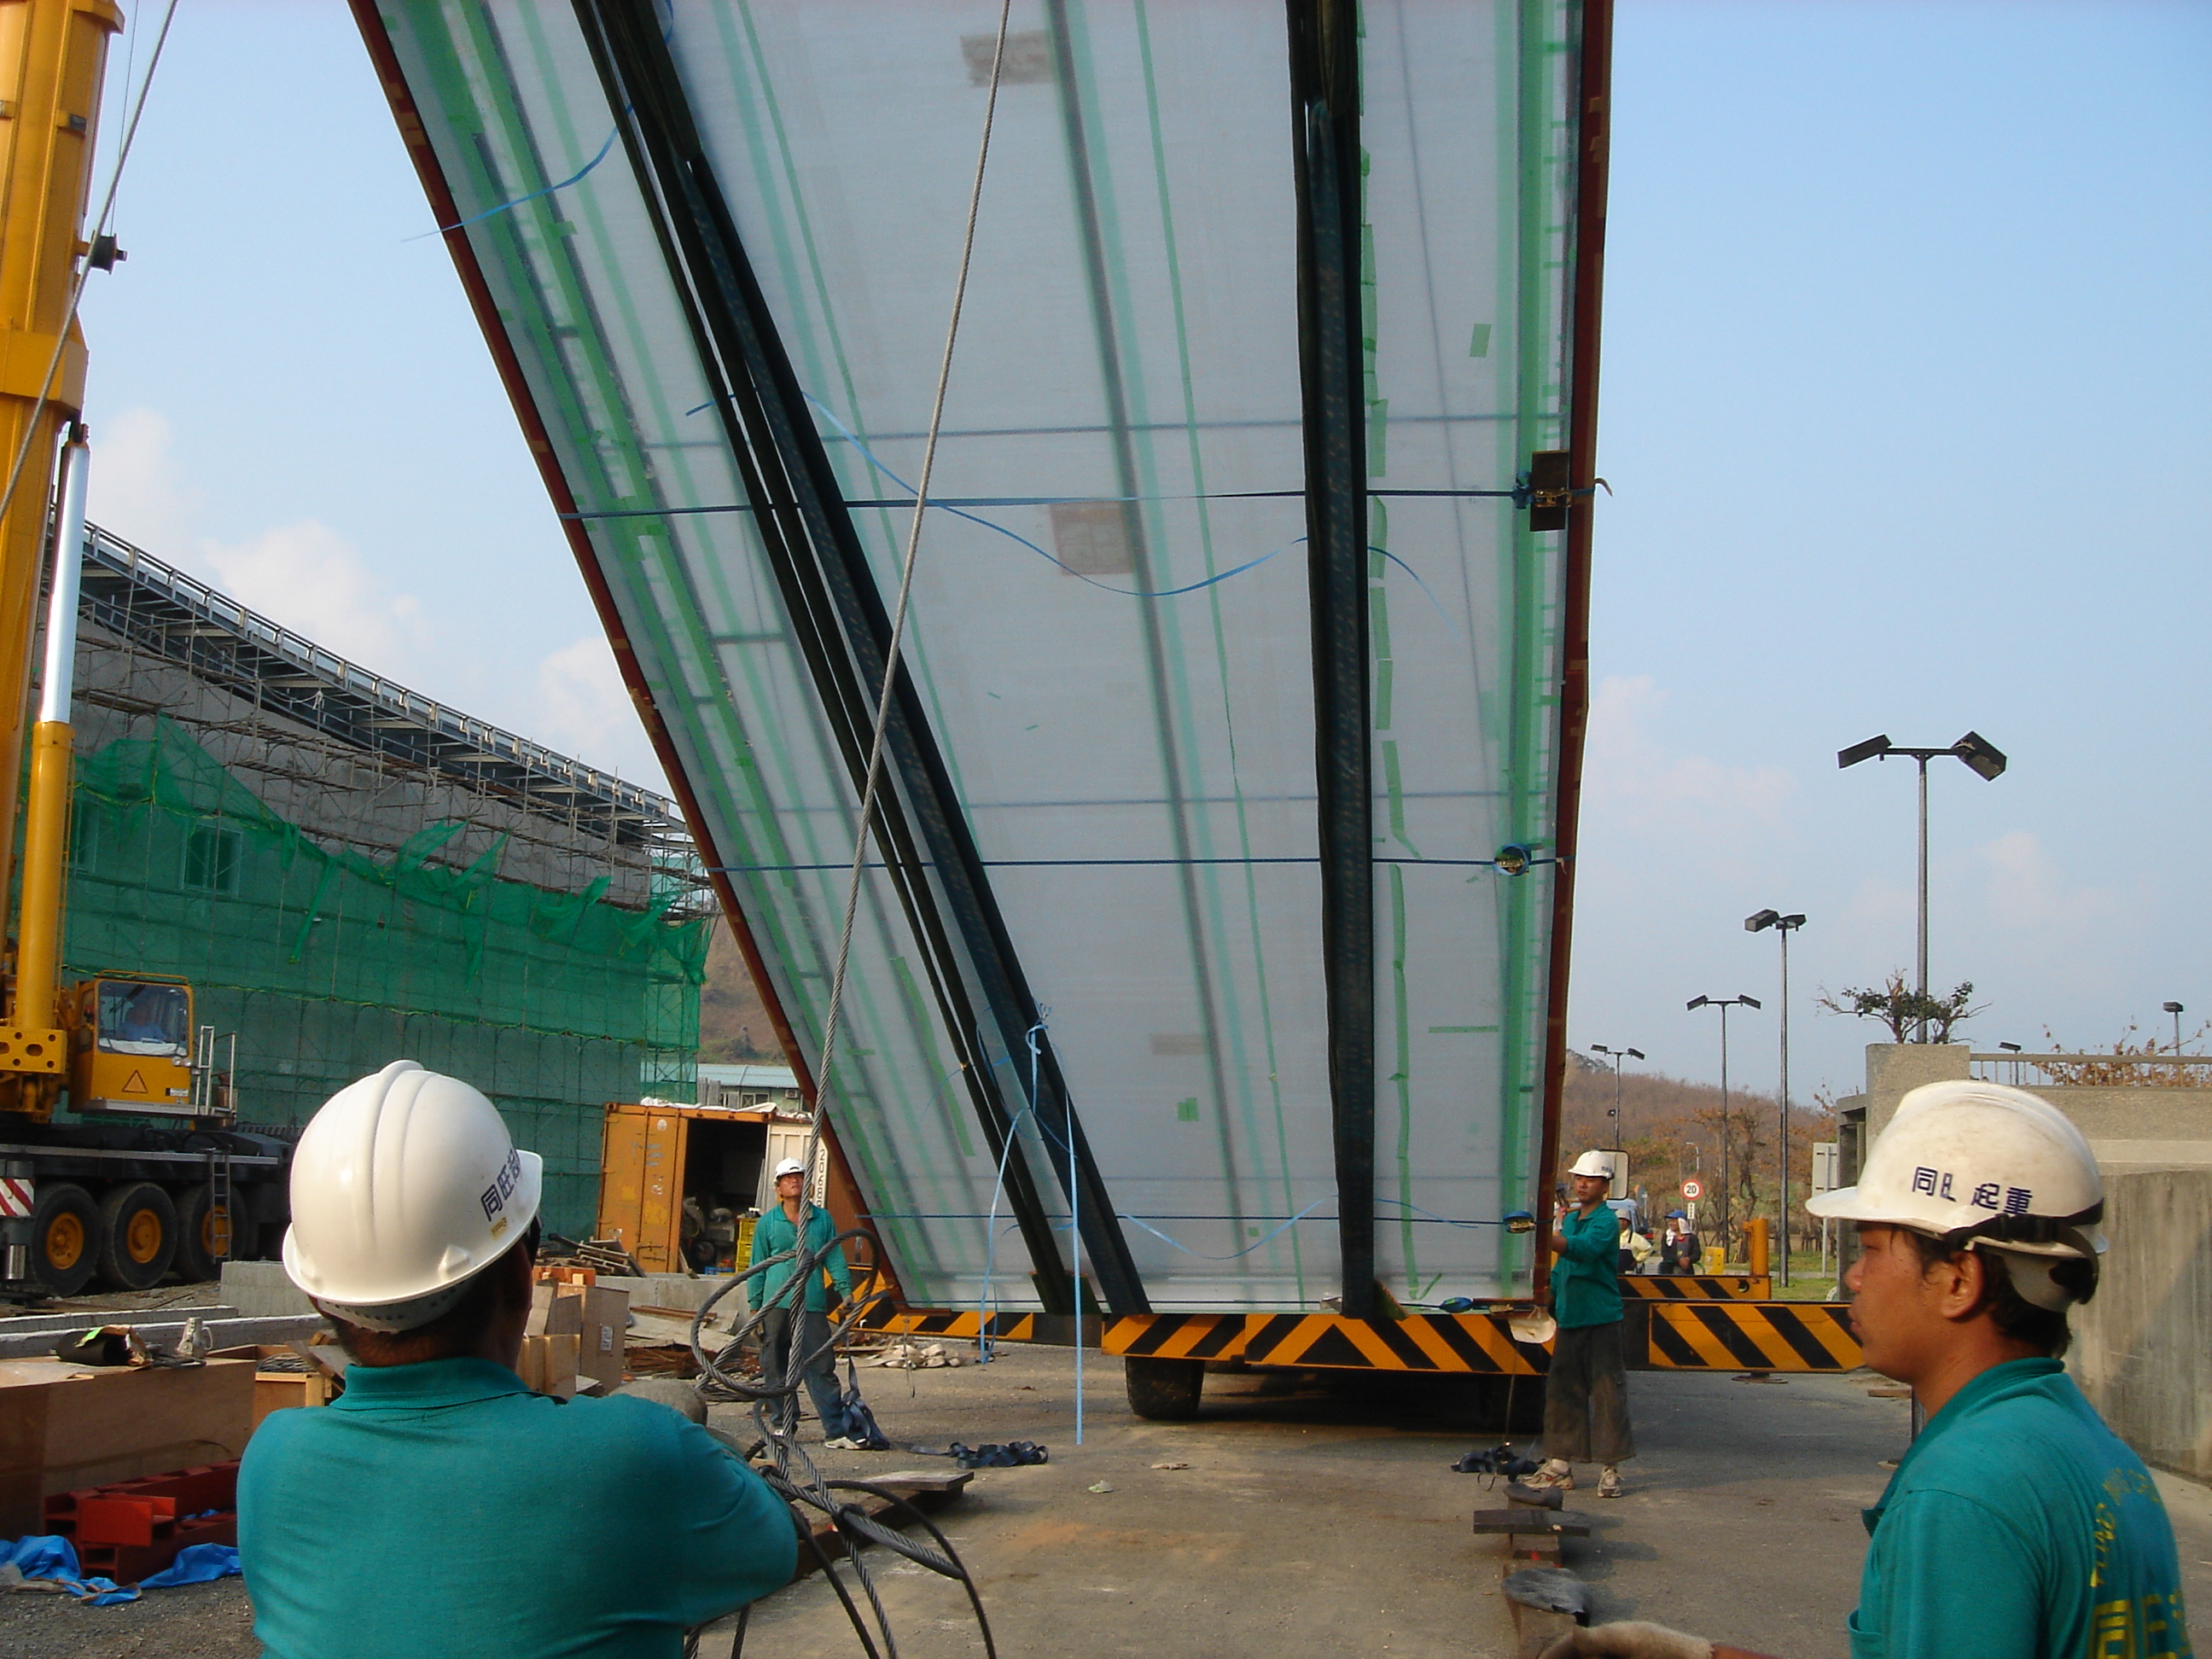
(1310, 1521)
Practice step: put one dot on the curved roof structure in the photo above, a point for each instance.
(1215, 915)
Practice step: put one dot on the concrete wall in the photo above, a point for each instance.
(2143, 1350)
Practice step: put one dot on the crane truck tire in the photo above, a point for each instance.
(65, 1237)
(1164, 1390)
(139, 1236)
(198, 1221)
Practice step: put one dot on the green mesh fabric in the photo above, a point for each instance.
(329, 962)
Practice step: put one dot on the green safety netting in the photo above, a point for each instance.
(329, 962)
(1110, 635)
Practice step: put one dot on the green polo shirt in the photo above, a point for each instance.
(2018, 1527)
(1586, 1279)
(443, 1509)
(774, 1234)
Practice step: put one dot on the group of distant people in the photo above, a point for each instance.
(1675, 1250)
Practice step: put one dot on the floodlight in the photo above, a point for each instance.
(1764, 920)
(1986, 760)
(2175, 1008)
(1635, 1054)
(2009, 1048)
(1697, 1002)
(1859, 751)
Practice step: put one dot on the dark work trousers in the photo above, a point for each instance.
(1586, 1397)
(821, 1372)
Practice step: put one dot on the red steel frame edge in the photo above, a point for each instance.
(1593, 91)
(412, 133)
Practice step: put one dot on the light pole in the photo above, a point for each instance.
(1784, 926)
(1982, 757)
(1723, 1004)
(1616, 1055)
(2176, 1010)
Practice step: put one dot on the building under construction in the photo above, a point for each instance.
(349, 873)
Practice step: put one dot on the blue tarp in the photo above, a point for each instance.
(45, 1555)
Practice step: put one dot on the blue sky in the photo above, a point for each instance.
(1904, 405)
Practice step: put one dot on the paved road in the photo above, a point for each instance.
(1309, 1522)
(1319, 1521)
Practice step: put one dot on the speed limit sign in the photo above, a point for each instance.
(1693, 1191)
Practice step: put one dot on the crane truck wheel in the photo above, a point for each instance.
(65, 1237)
(199, 1223)
(139, 1236)
(1164, 1390)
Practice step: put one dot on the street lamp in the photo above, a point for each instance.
(1982, 757)
(1784, 926)
(1616, 1055)
(1723, 1004)
(2176, 1010)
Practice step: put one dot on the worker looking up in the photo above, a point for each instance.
(1586, 1391)
(2017, 1526)
(438, 1506)
(778, 1233)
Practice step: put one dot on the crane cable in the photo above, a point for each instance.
(77, 294)
(776, 1400)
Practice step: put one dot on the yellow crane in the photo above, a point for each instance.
(121, 1041)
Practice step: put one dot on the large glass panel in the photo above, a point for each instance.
(1109, 629)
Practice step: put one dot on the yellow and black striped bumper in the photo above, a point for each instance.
(1701, 1287)
(1475, 1343)
(1749, 1336)
(1722, 1331)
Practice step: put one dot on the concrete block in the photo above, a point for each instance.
(259, 1289)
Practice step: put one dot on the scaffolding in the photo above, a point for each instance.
(384, 913)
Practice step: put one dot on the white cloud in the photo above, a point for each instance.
(2027, 890)
(137, 489)
(584, 709)
(309, 577)
(304, 575)
(1632, 777)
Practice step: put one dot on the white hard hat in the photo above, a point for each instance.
(404, 1186)
(1992, 1168)
(789, 1166)
(1593, 1164)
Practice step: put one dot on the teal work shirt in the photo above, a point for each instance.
(2018, 1527)
(774, 1234)
(443, 1509)
(1586, 1280)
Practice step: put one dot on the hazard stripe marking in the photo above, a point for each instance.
(1707, 1287)
(1760, 1336)
(1473, 1343)
(15, 1198)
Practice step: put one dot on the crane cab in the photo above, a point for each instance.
(131, 1046)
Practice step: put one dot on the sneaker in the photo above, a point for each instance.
(1608, 1482)
(841, 1443)
(1558, 1475)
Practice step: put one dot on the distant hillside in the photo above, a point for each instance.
(732, 1020)
(1670, 1127)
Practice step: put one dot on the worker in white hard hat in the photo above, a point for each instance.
(1586, 1390)
(2017, 1526)
(438, 1505)
(801, 1313)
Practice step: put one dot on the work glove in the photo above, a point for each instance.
(1628, 1639)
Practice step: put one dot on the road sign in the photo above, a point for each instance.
(1693, 1191)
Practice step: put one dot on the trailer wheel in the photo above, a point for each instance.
(198, 1219)
(1164, 1390)
(139, 1236)
(65, 1237)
